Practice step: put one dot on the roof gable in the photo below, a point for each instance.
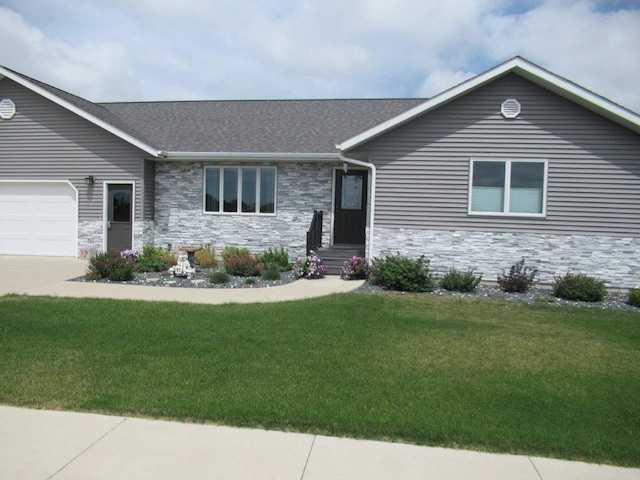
(89, 111)
(518, 66)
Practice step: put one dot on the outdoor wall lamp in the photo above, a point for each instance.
(89, 180)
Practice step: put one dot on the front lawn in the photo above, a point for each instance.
(456, 372)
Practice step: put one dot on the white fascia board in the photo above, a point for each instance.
(251, 156)
(580, 95)
(526, 70)
(78, 111)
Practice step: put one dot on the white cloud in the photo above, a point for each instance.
(194, 49)
(598, 50)
(94, 70)
(441, 80)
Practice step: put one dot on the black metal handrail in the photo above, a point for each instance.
(314, 235)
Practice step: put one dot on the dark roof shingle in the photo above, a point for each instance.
(273, 126)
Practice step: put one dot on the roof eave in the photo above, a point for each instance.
(80, 112)
(525, 69)
(250, 156)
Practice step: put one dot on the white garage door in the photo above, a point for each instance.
(38, 218)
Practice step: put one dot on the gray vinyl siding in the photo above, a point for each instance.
(593, 164)
(44, 141)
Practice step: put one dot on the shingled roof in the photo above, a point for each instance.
(269, 126)
(230, 126)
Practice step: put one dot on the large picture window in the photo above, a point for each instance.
(508, 187)
(250, 190)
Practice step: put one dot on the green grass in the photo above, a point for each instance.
(541, 380)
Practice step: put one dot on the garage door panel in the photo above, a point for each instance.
(12, 205)
(58, 224)
(38, 219)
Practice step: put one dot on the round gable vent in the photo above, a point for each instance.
(7, 109)
(510, 108)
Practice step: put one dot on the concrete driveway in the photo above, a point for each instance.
(49, 276)
(24, 275)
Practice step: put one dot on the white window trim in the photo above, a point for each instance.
(507, 193)
(221, 189)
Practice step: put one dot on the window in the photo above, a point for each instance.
(508, 187)
(249, 190)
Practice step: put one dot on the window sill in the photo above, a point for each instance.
(239, 214)
(507, 215)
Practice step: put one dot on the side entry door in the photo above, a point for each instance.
(119, 216)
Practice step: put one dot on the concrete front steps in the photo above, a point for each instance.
(335, 256)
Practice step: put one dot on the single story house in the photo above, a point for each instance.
(515, 162)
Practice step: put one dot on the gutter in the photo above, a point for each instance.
(372, 210)
(251, 156)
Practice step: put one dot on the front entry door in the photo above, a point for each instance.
(350, 215)
(119, 217)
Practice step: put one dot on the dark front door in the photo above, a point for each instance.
(350, 215)
(119, 217)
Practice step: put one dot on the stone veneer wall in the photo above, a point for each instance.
(93, 230)
(179, 218)
(87, 231)
(616, 260)
(139, 235)
(148, 237)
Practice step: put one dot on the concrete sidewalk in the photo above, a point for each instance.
(50, 275)
(41, 445)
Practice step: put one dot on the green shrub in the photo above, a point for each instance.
(154, 259)
(459, 281)
(278, 258)
(238, 261)
(270, 272)
(228, 251)
(579, 287)
(121, 270)
(206, 257)
(634, 297)
(250, 281)
(402, 273)
(219, 277)
(518, 280)
(98, 267)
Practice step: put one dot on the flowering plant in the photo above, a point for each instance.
(310, 267)
(355, 268)
(130, 255)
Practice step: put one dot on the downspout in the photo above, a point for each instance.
(372, 209)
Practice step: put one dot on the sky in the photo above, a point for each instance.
(139, 50)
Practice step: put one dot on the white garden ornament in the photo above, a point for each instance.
(183, 268)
